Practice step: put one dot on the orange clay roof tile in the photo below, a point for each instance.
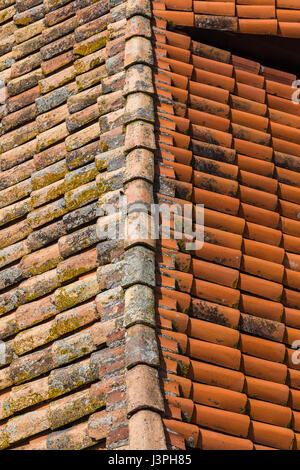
(215, 353)
(226, 421)
(209, 440)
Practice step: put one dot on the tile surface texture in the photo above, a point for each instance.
(101, 99)
(62, 375)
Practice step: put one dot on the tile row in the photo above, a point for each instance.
(229, 371)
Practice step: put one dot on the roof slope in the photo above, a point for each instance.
(274, 17)
(228, 313)
(57, 58)
(78, 353)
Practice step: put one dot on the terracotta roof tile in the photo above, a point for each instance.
(209, 440)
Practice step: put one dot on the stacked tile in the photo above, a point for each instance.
(228, 313)
(61, 160)
(268, 17)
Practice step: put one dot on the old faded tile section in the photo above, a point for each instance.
(62, 366)
(228, 312)
(268, 17)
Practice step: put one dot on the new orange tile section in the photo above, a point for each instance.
(238, 295)
(271, 17)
